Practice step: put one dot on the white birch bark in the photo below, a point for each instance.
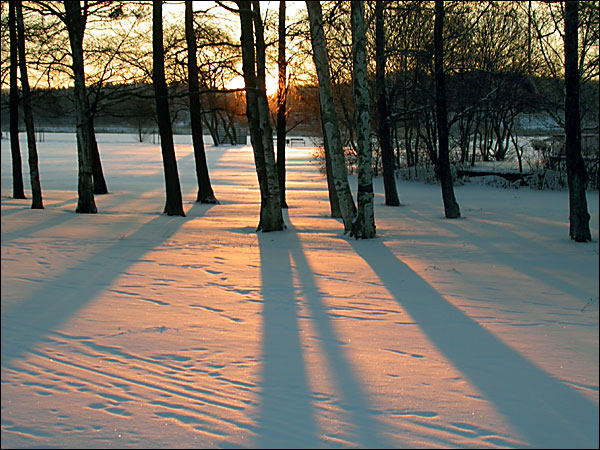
(257, 110)
(363, 226)
(330, 123)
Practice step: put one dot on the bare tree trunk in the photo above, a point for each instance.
(328, 114)
(264, 115)
(396, 143)
(473, 150)
(363, 226)
(579, 218)
(174, 201)
(75, 22)
(257, 110)
(281, 105)
(387, 153)
(416, 153)
(15, 148)
(213, 128)
(34, 173)
(205, 191)
(334, 202)
(519, 152)
(409, 152)
(100, 187)
(451, 208)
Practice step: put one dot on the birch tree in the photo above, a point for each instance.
(579, 218)
(205, 191)
(281, 104)
(34, 173)
(328, 115)
(363, 226)
(257, 111)
(334, 202)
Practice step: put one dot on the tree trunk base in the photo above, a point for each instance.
(279, 227)
(86, 210)
(207, 199)
(579, 228)
(360, 231)
(100, 189)
(452, 212)
(175, 212)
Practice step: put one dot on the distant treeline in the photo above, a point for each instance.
(484, 106)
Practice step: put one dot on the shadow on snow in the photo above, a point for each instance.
(287, 416)
(543, 410)
(27, 322)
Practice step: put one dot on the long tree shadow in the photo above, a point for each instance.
(25, 323)
(45, 223)
(543, 410)
(286, 419)
(113, 199)
(517, 261)
(365, 427)
(27, 206)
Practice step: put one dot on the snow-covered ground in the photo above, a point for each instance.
(129, 328)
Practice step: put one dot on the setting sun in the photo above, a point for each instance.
(271, 84)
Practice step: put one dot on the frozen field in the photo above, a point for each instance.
(129, 328)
